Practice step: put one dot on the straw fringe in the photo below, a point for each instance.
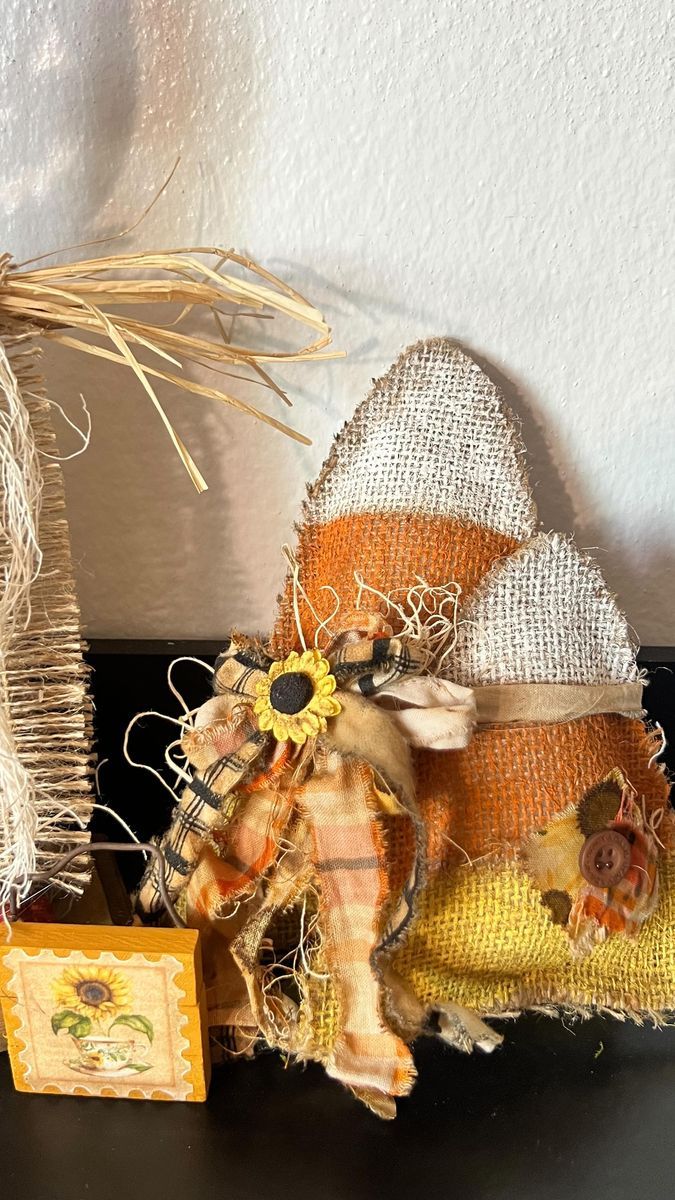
(45, 713)
(84, 297)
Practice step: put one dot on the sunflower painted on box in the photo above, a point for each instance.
(91, 1001)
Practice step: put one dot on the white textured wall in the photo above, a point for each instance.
(501, 172)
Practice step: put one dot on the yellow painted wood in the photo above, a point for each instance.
(81, 945)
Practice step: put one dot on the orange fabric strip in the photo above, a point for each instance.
(349, 858)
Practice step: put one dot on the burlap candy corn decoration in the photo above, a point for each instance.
(431, 798)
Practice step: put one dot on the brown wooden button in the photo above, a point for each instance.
(604, 858)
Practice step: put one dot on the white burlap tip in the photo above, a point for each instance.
(543, 615)
(434, 436)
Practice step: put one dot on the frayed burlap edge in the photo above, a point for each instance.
(524, 1004)
(46, 678)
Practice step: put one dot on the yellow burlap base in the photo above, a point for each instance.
(483, 939)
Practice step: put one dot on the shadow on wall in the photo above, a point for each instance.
(74, 85)
(650, 570)
(108, 109)
(156, 540)
(641, 575)
(98, 99)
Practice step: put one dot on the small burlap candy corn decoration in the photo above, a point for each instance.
(486, 830)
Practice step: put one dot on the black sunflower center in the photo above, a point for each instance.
(92, 992)
(292, 692)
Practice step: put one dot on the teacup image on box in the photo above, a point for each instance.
(107, 1056)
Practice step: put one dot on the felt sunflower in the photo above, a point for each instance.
(296, 697)
(94, 992)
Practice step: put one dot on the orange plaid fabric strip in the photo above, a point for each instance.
(348, 855)
(242, 851)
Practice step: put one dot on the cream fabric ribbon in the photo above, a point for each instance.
(513, 703)
(436, 714)
(430, 713)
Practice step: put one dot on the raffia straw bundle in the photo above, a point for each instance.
(86, 297)
(91, 306)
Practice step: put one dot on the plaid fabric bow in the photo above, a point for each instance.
(322, 744)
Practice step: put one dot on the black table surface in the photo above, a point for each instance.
(561, 1111)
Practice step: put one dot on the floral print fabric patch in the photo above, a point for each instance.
(596, 864)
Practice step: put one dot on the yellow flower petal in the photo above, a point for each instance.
(297, 734)
(327, 686)
(93, 991)
(280, 728)
(274, 672)
(310, 722)
(326, 706)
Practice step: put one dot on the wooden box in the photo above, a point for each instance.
(105, 1011)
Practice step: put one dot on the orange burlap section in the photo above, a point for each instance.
(378, 547)
(482, 802)
(511, 780)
